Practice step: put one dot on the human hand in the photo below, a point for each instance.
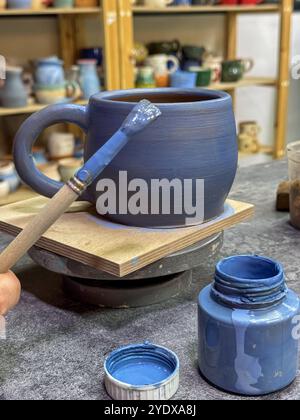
(10, 291)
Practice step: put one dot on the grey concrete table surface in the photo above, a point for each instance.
(55, 347)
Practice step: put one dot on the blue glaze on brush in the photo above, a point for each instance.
(142, 115)
(142, 365)
(195, 138)
(246, 320)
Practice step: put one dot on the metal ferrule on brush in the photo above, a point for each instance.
(77, 186)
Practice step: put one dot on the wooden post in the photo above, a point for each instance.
(67, 39)
(231, 43)
(111, 44)
(125, 24)
(283, 78)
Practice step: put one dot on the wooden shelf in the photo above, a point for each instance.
(248, 81)
(263, 8)
(50, 11)
(28, 109)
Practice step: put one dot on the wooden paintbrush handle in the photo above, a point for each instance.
(37, 227)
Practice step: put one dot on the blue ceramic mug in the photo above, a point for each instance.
(182, 2)
(183, 79)
(195, 138)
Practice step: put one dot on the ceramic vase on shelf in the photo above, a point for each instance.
(19, 4)
(13, 94)
(51, 86)
(89, 79)
(49, 71)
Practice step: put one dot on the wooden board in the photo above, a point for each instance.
(116, 249)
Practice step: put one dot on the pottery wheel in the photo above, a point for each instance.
(155, 283)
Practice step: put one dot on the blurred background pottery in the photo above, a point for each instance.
(229, 2)
(140, 53)
(163, 63)
(38, 4)
(203, 76)
(19, 4)
(182, 2)
(193, 52)
(73, 82)
(248, 137)
(234, 70)
(164, 47)
(61, 145)
(68, 167)
(157, 3)
(48, 95)
(204, 2)
(88, 77)
(49, 72)
(215, 64)
(4, 189)
(92, 53)
(63, 4)
(2, 4)
(79, 149)
(9, 174)
(145, 77)
(183, 79)
(13, 94)
(187, 64)
(39, 155)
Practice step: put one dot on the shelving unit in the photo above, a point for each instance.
(281, 82)
(5, 112)
(116, 19)
(71, 37)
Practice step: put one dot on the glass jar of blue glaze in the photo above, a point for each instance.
(248, 327)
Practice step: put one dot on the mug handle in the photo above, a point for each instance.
(27, 135)
(175, 64)
(248, 64)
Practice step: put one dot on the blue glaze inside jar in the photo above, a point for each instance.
(245, 281)
(247, 320)
(142, 365)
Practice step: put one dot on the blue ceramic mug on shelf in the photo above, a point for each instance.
(182, 2)
(183, 79)
(195, 138)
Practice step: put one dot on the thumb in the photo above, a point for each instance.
(10, 291)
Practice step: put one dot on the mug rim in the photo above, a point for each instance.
(216, 97)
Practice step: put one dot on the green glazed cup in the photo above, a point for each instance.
(203, 75)
(233, 70)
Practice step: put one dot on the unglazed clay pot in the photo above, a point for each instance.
(194, 139)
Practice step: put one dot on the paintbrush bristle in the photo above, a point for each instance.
(142, 115)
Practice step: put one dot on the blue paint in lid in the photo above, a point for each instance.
(142, 365)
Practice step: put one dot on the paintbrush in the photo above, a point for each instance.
(139, 118)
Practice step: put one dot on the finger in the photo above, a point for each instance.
(10, 291)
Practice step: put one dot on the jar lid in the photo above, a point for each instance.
(142, 372)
